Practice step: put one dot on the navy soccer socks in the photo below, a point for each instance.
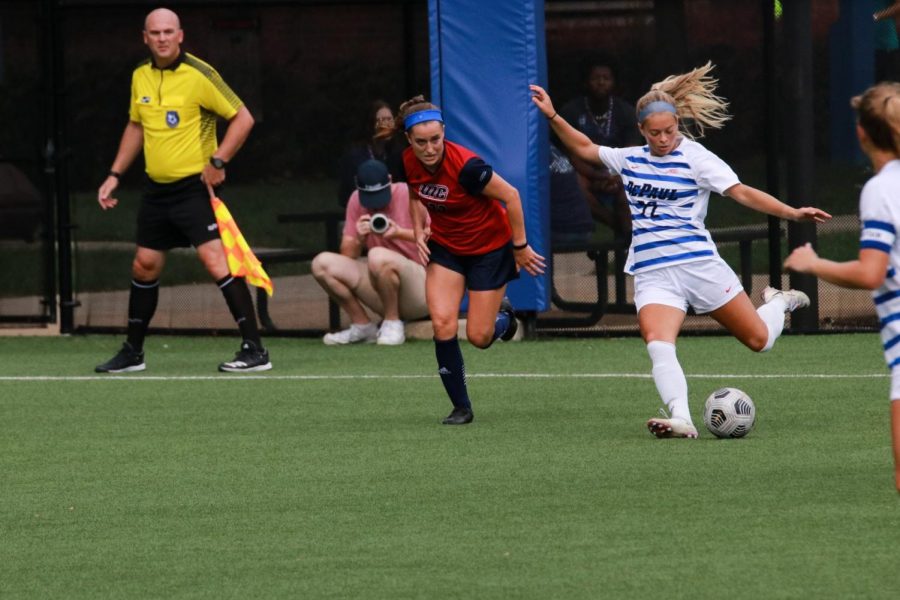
(501, 324)
(452, 371)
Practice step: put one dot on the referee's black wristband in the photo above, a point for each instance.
(115, 174)
(553, 117)
(521, 246)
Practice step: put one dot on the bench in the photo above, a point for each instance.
(599, 253)
(330, 220)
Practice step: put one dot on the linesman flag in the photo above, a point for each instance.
(241, 260)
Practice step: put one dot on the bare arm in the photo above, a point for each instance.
(576, 142)
(395, 232)
(866, 272)
(526, 258)
(760, 201)
(238, 129)
(350, 247)
(129, 147)
(421, 231)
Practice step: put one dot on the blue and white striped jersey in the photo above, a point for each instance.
(879, 211)
(669, 196)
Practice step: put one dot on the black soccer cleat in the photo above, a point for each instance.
(127, 360)
(248, 359)
(459, 416)
(506, 307)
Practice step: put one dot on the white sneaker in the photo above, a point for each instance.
(353, 335)
(793, 299)
(391, 333)
(671, 428)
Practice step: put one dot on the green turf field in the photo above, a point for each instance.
(331, 477)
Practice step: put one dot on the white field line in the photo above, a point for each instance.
(249, 377)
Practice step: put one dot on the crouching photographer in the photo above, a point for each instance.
(390, 280)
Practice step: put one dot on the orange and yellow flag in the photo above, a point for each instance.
(241, 260)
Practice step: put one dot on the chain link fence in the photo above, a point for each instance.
(308, 71)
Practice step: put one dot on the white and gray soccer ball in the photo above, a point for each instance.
(729, 413)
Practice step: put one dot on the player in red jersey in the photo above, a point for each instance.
(476, 241)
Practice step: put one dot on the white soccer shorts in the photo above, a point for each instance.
(705, 285)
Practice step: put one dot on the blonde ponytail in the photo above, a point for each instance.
(693, 96)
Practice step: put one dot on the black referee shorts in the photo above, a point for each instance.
(489, 271)
(175, 215)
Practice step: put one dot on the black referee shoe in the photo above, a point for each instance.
(506, 307)
(459, 416)
(126, 360)
(248, 358)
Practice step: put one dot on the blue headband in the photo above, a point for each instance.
(431, 114)
(655, 107)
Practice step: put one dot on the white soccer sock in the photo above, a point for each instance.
(772, 314)
(669, 378)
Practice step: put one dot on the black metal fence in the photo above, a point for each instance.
(308, 70)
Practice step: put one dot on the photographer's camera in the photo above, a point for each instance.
(379, 223)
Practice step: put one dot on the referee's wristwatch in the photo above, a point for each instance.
(217, 162)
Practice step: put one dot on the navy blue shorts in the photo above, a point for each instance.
(483, 272)
(176, 215)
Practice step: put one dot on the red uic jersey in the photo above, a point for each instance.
(466, 224)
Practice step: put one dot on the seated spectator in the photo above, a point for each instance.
(391, 280)
(570, 215)
(377, 140)
(607, 120)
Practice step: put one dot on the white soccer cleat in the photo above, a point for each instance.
(793, 299)
(355, 334)
(671, 428)
(391, 333)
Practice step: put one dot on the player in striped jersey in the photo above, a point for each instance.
(672, 256)
(876, 269)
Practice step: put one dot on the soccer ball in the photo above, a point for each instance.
(729, 413)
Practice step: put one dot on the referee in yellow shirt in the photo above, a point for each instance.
(175, 100)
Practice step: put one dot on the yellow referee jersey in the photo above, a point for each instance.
(177, 108)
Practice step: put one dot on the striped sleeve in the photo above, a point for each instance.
(613, 158)
(713, 173)
(877, 235)
(878, 229)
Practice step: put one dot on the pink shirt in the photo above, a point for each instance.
(397, 210)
